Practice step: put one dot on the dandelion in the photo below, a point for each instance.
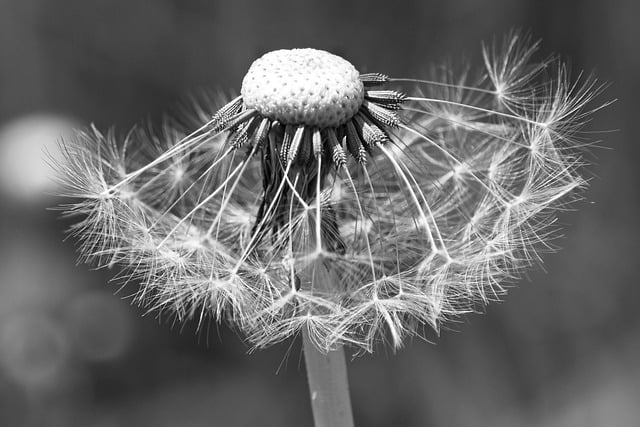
(350, 208)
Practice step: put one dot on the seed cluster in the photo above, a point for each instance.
(312, 103)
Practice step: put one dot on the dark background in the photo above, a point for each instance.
(562, 350)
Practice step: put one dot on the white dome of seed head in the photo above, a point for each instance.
(303, 86)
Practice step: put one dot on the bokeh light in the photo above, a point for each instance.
(33, 349)
(100, 325)
(28, 146)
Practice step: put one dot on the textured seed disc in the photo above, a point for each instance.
(303, 86)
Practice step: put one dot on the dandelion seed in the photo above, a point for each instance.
(352, 207)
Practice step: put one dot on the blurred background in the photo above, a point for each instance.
(563, 350)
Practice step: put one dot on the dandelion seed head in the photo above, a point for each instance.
(357, 207)
(303, 86)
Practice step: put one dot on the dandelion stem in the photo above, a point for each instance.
(328, 385)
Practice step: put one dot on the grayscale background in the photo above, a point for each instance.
(562, 350)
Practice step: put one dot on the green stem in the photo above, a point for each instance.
(328, 386)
